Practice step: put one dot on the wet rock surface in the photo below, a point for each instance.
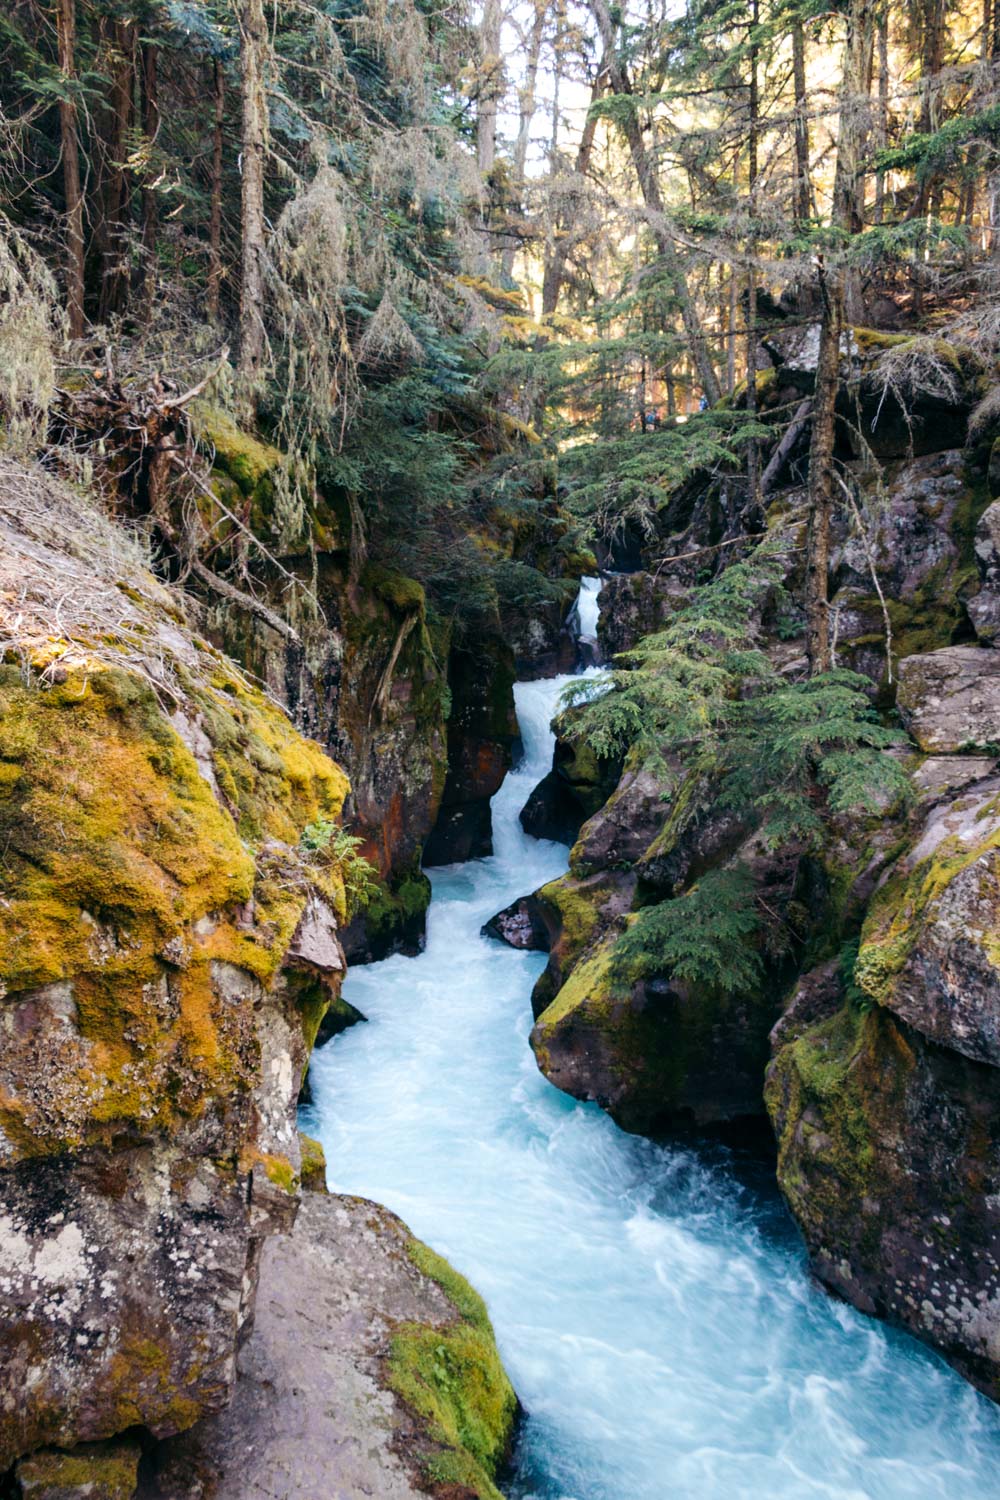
(520, 925)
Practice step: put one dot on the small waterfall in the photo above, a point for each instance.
(653, 1309)
(583, 620)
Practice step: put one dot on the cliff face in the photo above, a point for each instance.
(168, 949)
(879, 987)
(421, 717)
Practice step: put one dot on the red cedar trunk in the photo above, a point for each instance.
(753, 453)
(113, 228)
(882, 118)
(821, 475)
(215, 219)
(801, 121)
(66, 41)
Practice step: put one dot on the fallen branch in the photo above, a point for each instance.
(784, 448)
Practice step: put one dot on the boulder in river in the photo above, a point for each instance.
(519, 925)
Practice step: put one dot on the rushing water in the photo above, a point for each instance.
(587, 609)
(651, 1303)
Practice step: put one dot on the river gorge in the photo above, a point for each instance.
(652, 1302)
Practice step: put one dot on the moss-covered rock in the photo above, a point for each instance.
(889, 1157)
(451, 1376)
(576, 914)
(930, 945)
(655, 1053)
(170, 944)
(313, 1170)
(93, 1471)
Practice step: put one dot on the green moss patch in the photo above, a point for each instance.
(124, 878)
(452, 1379)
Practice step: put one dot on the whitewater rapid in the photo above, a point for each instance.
(651, 1303)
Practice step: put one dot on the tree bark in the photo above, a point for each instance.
(837, 286)
(801, 121)
(649, 186)
(215, 216)
(753, 453)
(253, 44)
(114, 195)
(821, 475)
(69, 141)
(490, 86)
(558, 247)
(882, 117)
(776, 462)
(526, 114)
(847, 213)
(150, 127)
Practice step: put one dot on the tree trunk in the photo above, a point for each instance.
(253, 44)
(215, 217)
(753, 453)
(66, 41)
(847, 212)
(113, 227)
(490, 86)
(801, 121)
(731, 333)
(837, 284)
(150, 127)
(882, 118)
(561, 238)
(526, 114)
(931, 57)
(821, 475)
(650, 188)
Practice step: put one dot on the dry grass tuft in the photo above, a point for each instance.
(76, 590)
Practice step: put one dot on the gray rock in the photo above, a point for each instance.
(817, 995)
(622, 830)
(795, 350)
(912, 532)
(984, 608)
(950, 699)
(929, 949)
(313, 1416)
(519, 925)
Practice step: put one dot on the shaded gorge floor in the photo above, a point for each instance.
(651, 1302)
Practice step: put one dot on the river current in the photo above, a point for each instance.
(651, 1302)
